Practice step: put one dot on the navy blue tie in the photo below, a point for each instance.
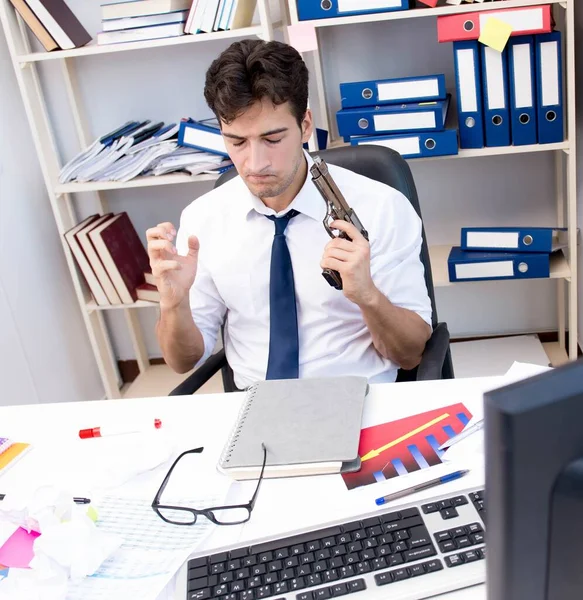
(283, 362)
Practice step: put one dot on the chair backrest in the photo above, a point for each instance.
(384, 165)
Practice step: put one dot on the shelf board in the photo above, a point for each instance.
(96, 186)
(438, 256)
(428, 12)
(91, 306)
(93, 48)
(480, 152)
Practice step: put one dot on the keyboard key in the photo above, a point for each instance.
(418, 536)
(454, 560)
(247, 595)
(409, 512)
(442, 536)
(322, 593)
(429, 508)
(384, 578)
(442, 504)
(419, 553)
(356, 586)
(474, 528)
(198, 572)
(339, 589)
(400, 574)
(433, 565)
(458, 532)
(217, 558)
(281, 553)
(400, 547)
(370, 522)
(200, 594)
(305, 596)
(459, 501)
(463, 542)
(447, 546)
(477, 538)
(197, 562)
(449, 513)
(263, 591)
(404, 524)
(471, 556)
(395, 559)
(390, 517)
(416, 570)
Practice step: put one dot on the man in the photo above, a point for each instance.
(238, 245)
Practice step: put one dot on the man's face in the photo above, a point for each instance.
(265, 145)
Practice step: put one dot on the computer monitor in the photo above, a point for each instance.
(534, 487)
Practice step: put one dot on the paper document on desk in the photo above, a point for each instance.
(152, 551)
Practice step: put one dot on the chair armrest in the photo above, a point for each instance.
(436, 356)
(195, 381)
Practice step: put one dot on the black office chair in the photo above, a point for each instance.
(387, 166)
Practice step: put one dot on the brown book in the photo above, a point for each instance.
(94, 260)
(148, 292)
(84, 264)
(116, 252)
(39, 30)
(60, 22)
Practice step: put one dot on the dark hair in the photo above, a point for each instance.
(250, 70)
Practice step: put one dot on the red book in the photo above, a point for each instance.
(117, 251)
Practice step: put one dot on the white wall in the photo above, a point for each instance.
(44, 349)
(167, 83)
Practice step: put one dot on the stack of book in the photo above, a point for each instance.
(112, 259)
(11, 452)
(487, 253)
(140, 148)
(53, 23)
(408, 115)
(207, 16)
(140, 20)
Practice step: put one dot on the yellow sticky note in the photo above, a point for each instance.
(495, 33)
(303, 37)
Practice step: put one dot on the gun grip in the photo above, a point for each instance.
(333, 278)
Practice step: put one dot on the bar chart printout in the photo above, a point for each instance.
(399, 447)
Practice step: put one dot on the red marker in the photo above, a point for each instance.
(96, 432)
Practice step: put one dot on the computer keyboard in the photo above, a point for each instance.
(418, 551)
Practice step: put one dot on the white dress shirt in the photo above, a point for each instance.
(232, 280)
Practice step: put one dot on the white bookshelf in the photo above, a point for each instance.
(563, 268)
(63, 197)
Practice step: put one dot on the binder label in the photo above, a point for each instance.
(405, 122)
(408, 89)
(522, 72)
(520, 20)
(364, 5)
(491, 239)
(499, 268)
(549, 57)
(404, 146)
(468, 96)
(495, 79)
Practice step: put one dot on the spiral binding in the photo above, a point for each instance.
(232, 439)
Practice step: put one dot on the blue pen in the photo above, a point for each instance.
(422, 486)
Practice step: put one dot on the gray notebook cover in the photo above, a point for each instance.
(300, 421)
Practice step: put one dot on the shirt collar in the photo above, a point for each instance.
(308, 201)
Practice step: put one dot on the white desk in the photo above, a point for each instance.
(191, 421)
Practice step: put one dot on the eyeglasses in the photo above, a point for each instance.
(219, 515)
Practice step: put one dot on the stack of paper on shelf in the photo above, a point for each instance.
(112, 259)
(408, 115)
(139, 148)
(487, 253)
(206, 16)
(140, 20)
(53, 23)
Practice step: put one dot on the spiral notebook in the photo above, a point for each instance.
(309, 427)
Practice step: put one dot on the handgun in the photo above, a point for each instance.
(336, 209)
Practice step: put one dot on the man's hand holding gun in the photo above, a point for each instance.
(346, 259)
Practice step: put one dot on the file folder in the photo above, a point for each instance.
(549, 66)
(468, 26)
(483, 266)
(521, 81)
(201, 135)
(468, 75)
(421, 116)
(327, 9)
(496, 103)
(426, 144)
(518, 239)
(392, 91)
